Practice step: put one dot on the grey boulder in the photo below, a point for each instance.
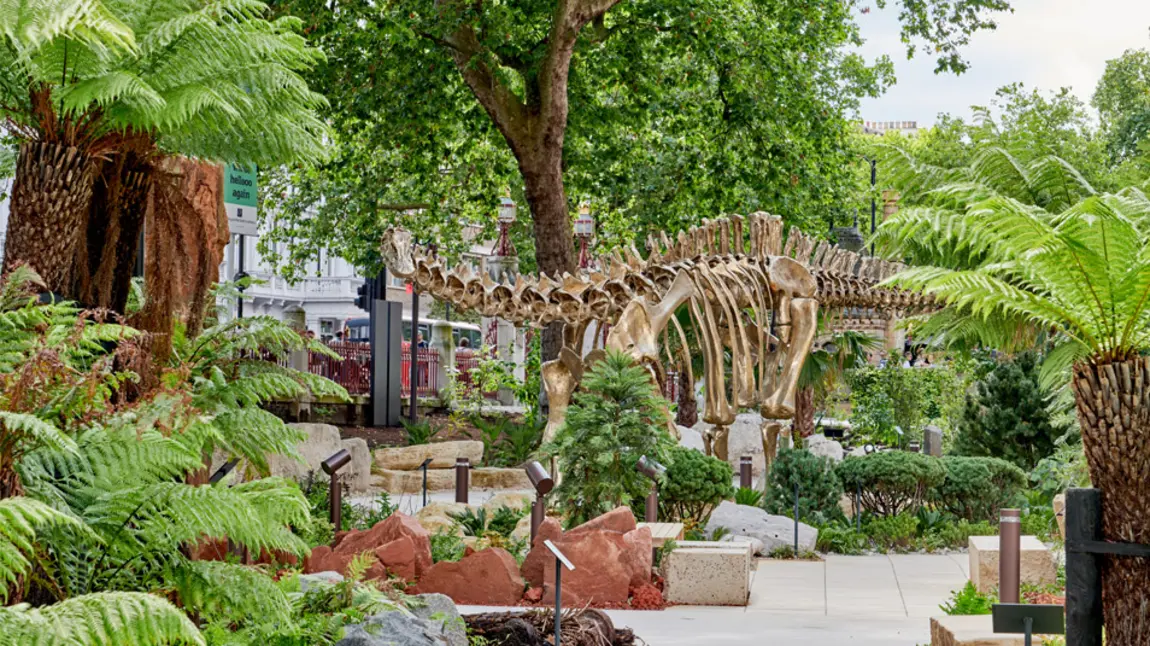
(439, 611)
(773, 531)
(319, 579)
(392, 628)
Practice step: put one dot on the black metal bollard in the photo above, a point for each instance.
(745, 475)
(1009, 554)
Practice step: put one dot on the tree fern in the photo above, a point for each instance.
(20, 518)
(209, 78)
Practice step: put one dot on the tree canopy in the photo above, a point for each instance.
(674, 111)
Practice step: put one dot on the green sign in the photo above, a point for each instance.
(240, 185)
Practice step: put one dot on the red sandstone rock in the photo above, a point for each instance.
(620, 519)
(277, 557)
(533, 595)
(603, 568)
(638, 556)
(540, 558)
(387, 530)
(323, 559)
(486, 578)
(399, 557)
(339, 536)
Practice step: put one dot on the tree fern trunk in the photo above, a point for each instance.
(50, 196)
(115, 219)
(687, 413)
(1113, 401)
(804, 423)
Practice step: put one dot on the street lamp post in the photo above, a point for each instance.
(584, 229)
(507, 209)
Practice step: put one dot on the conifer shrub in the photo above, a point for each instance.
(616, 417)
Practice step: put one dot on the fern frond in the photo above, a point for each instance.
(237, 593)
(20, 518)
(101, 619)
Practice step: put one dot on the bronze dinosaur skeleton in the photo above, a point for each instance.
(752, 301)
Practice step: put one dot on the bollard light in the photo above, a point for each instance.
(331, 466)
(745, 474)
(543, 484)
(653, 470)
(1009, 554)
(462, 479)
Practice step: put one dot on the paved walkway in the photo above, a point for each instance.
(844, 600)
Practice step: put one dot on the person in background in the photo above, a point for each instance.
(419, 342)
(464, 343)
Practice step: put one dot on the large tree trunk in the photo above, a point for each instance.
(51, 195)
(804, 424)
(1113, 401)
(554, 244)
(688, 409)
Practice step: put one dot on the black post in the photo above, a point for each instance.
(558, 604)
(858, 507)
(1083, 569)
(239, 273)
(413, 409)
(424, 467)
(462, 479)
(796, 520)
(873, 178)
(1028, 623)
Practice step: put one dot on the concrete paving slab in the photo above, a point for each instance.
(796, 586)
(695, 626)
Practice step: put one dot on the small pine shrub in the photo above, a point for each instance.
(504, 520)
(616, 418)
(1009, 416)
(837, 538)
(693, 485)
(976, 488)
(819, 488)
(891, 482)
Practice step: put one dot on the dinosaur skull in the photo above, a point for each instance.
(397, 252)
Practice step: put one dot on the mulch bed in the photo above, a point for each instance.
(388, 436)
(580, 627)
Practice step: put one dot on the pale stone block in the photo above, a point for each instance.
(401, 482)
(357, 474)
(1036, 564)
(494, 478)
(971, 630)
(708, 574)
(442, 454)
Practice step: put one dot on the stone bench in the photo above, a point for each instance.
(1036, 564)
(705, 573)
(971, 630)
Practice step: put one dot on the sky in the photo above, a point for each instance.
(1045, 44)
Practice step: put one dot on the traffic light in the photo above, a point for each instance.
(363, 297)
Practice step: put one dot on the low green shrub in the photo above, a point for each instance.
(897, 532)
(446, 546)
(748, 497)
(838, 538)
(420, 432)
(968, 601)
(693, 485)
(956, 535)
(891, 482)
(819, 488)
(976, 488)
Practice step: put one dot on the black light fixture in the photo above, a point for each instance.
(331, 467)
(653, 470)
(543, 484)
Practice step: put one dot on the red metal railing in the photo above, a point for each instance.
(353, 372)
(428, 372)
